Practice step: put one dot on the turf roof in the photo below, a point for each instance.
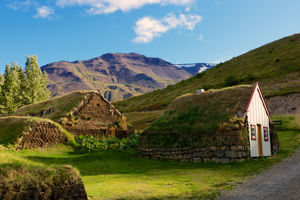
(203, 113)
(55, 108)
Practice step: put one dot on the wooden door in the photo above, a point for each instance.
(259, 140)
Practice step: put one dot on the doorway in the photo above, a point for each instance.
(259, 140)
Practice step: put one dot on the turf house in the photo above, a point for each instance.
(224, 125)
(81, 113)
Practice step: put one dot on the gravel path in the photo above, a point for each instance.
(281, 182)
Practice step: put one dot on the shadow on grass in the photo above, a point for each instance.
(130, 162)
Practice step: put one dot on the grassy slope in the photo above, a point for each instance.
(126, 175)
(276, 66)
(61, 105)
(140, 120)
(12, 127)
(15, 171)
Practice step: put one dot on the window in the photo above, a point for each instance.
(266, 134)
(253, 132)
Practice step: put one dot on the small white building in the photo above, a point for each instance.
(259, 124)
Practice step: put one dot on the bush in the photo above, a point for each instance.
(207, 86)
(230, 80)
(250, 77)
(91, 144)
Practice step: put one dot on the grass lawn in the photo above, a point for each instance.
(126, 175)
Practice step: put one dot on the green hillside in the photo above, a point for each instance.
(275, 65)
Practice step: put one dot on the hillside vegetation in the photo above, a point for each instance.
(275, 65)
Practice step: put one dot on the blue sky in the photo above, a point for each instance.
(180, 31)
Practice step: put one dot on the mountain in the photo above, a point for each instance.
(116, 75)
(195, 68)
(275, 65)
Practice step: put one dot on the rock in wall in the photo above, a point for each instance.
(221, 154)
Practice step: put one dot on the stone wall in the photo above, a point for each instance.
(41, 134)
(275, 145)
(218, 154)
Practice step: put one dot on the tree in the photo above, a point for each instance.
(1, 79)
(19, 89)
(35, 84)
(10, 90)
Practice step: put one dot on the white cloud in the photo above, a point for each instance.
(44, 12)
(21, 5)
(110, 6)
(147, 28)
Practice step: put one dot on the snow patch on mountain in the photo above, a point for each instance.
(195, 68)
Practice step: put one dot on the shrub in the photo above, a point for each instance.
(92, 144)
(207, 86)
(230, 80)
(250, 77)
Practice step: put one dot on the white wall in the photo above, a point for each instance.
(258, 115)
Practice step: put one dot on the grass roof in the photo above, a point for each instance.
(13, 127)
(56, 107)
(203, 113)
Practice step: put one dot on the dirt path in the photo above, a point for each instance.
(281, 182)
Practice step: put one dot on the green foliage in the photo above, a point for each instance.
(35, 85)
(19, 89)
(230, 80)
(10, 97)
(1, 79)
(90, 144)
